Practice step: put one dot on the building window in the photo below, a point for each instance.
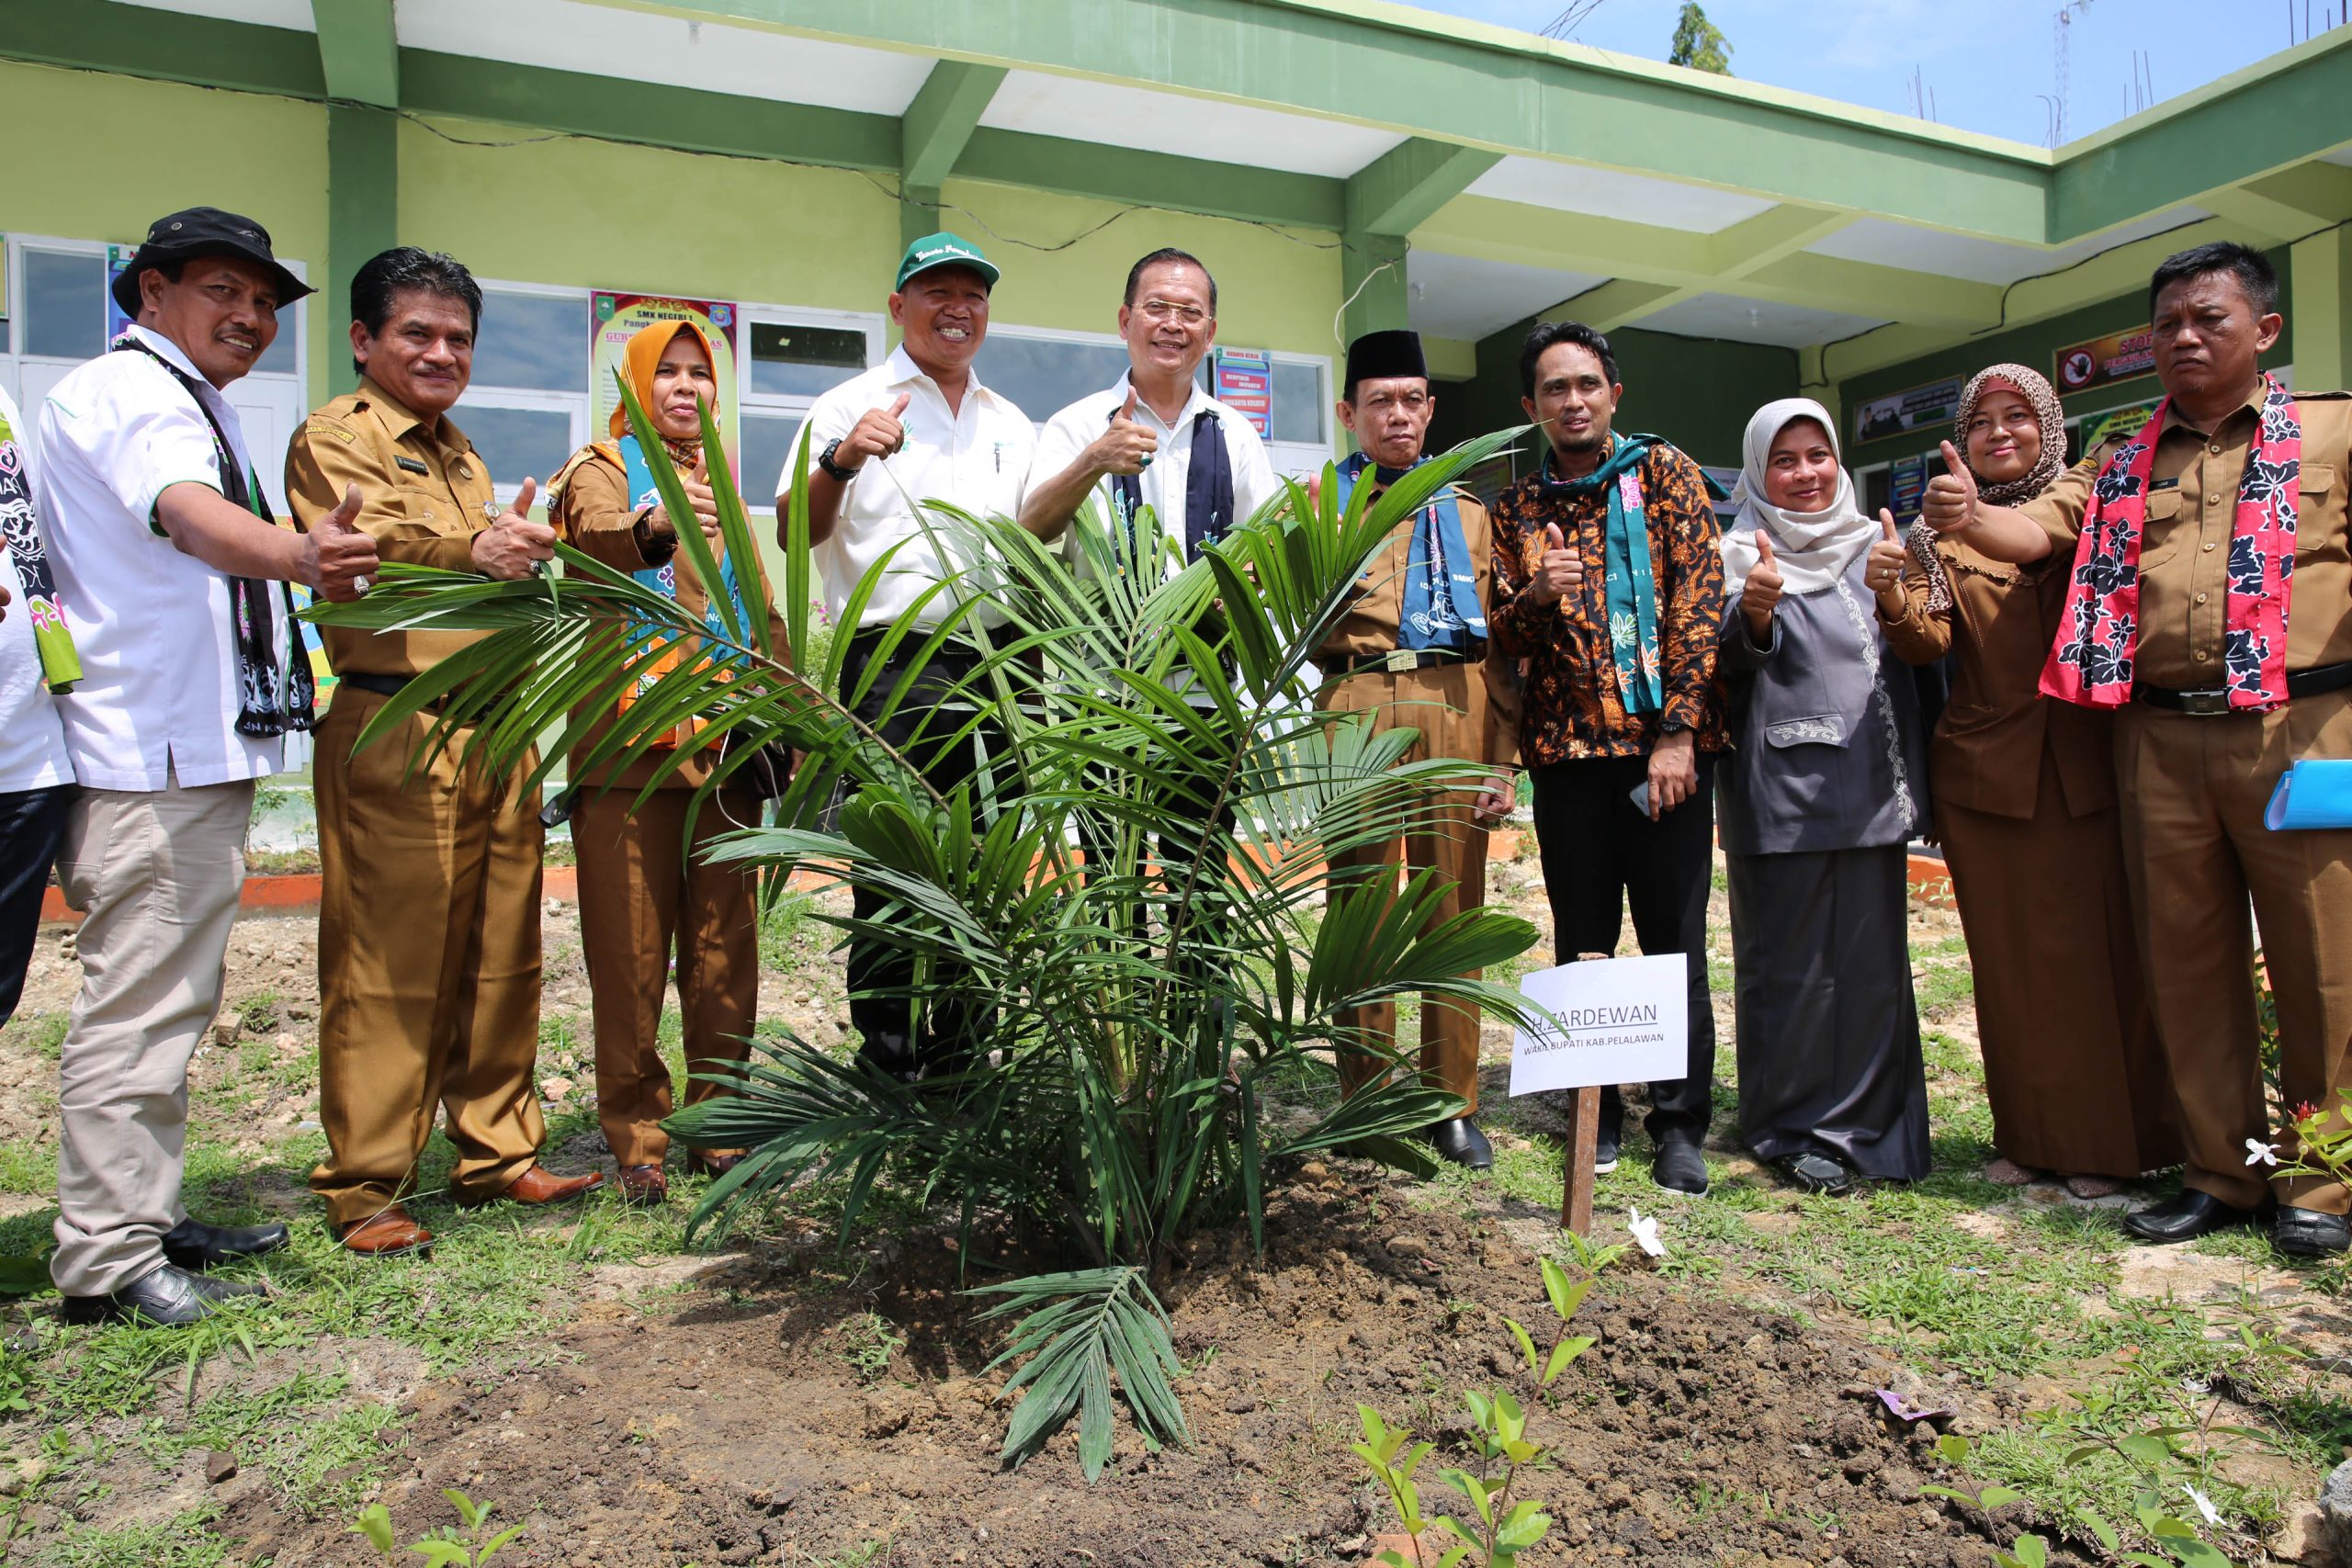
(1302, 408)
(527, 408)
(789, 358)
(1044, 373)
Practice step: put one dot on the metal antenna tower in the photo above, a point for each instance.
(2059, 30)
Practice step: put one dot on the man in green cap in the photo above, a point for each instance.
(917, 428)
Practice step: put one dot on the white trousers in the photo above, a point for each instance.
(157, 875)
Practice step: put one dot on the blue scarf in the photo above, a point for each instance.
(1631, 584)
(663, 579)
(1439, 548)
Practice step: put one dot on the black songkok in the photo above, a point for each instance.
(1377, 356)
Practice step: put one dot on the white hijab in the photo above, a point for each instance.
(1814, 549)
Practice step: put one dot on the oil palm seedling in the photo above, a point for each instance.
(1124, 907)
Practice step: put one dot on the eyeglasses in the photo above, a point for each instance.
(1169, 311)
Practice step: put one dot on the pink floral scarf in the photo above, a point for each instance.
(2098, 636)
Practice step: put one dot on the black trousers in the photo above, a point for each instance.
(1601, 855)
(31, 822)
(881, 978)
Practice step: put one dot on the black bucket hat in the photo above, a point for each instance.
(194, 232)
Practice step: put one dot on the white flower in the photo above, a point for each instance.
(1645, 1232)
(2259, 1153)
(2204, 1505)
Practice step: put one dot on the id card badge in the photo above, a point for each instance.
(1401, 659)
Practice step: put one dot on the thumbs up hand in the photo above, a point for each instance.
(1950, 506)
(1762, 591)
(696, 483)
(1559, 570)
(511, 546)
(338, 556)
(1126, 447)
(1882, 571)
(878, 433)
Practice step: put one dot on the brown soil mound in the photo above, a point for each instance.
(1700, 1430)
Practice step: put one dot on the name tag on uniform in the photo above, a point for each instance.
(1403, 658)
(413, 465)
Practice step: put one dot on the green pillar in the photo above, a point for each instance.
(1372, 279)
(918, 214)
(363, 198)
(2321, 274)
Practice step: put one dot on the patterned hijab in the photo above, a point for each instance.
(2036, 390)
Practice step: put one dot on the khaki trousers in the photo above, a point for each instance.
(641, 889)
(2193, 791)
(157, 874)
(1447, 704)
(428, 963)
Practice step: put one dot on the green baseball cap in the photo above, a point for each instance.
(943, 249)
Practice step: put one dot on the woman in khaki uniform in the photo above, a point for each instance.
(643, 882)
(2024, 794)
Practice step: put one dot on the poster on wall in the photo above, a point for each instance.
(1906, 486)
(615, 318)
(2117, 424)
(1245, 383)
(1934, 403)
(2118, 357)
(118, 259)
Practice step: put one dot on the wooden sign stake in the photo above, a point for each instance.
(1584, 1128)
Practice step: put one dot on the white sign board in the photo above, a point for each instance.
(1625, 1022)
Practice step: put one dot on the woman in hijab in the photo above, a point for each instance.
(643, 884)
(2025, 802)
(1818, 804)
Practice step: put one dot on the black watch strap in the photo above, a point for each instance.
(825, 461)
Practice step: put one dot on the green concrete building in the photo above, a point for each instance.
(1340, 167)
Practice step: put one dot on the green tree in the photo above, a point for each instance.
(1699, 43)
(1145, 1017)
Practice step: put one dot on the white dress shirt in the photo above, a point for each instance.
(158, 700)
(976, 458)
(1076, 427)
(32, 741)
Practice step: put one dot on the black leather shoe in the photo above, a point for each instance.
(1460, 1141)
(1816, 1173)
(2307, 1232)
(1607, 1140)
(2188, 1216)
(164, 1297)
(1678, 1167)
(193, 1244)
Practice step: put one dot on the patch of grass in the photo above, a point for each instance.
(43, 1034)
(181, 1542)
(331, 1466)
(867, 1345)
(28, 1169)
(789, 938)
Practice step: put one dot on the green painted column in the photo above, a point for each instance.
(1372, 278)
(363, 218)
(918, 214)
(2322, 299)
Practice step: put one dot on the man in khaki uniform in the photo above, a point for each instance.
(2203, 738)
(1412, 651)
(428, 920)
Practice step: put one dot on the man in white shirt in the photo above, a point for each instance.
(36, 775)
(194, 686)
(916, 429)
(1155, 438)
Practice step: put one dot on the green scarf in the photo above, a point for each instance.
(1629, 583)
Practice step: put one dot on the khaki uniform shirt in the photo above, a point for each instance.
(1370, 624)
(591, 510)
(425, 494)
(2185, 556)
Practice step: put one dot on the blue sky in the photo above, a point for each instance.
(1984, 61)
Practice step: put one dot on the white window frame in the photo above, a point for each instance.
(12, 353)
(1324, 409)
(533, 400)
(756, 499)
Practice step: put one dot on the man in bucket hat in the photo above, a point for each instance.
(193, 685)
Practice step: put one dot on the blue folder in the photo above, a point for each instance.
(2313, 794)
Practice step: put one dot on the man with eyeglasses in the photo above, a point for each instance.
(1411, 651)
(1155, 438)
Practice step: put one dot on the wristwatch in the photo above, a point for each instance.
(825, 461)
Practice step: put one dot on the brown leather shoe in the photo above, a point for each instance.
(391, 1233)
(643, 1184)
(712, 1165)
(538, 1187)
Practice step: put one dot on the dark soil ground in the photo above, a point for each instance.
(732, 1430)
